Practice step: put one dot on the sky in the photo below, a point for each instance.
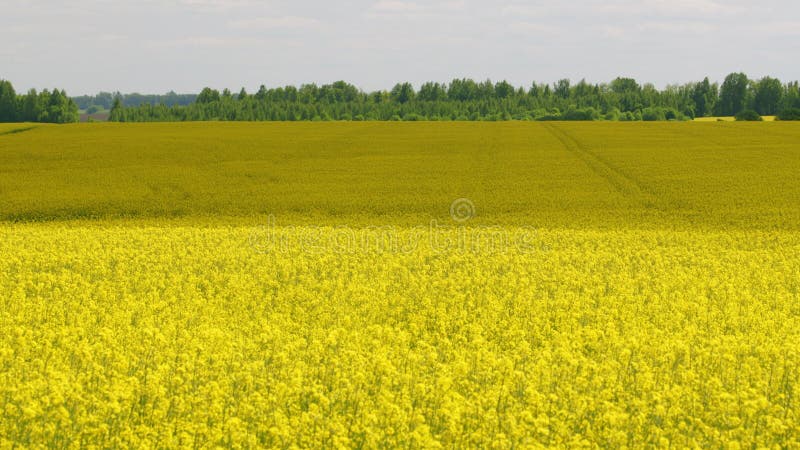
(156, 46)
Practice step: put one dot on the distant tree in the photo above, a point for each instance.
(704, 96)
(561, 88)
(653, 114)
(462, 90)
(535, 91)
(791, 96)
(629, 93)
(748, 115)
(31, 109)
(625, 85)
(402, 93)
(768, 93)
(732, 95)
(291, 93)
(208, 95)
(431, 92)
(57, 108)
(116, 114)
(461, 99)
(306, 94)
(789, 114)
(8, 102)
(377, 97)
(503, 90)
(103, 99)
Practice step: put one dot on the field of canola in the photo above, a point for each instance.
(305, 285)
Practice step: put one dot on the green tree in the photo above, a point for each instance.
(789, 114)
(625, 85)
(432, 92)
(629, 93)
(117, 114)
(503, 90)
(208, 95)
(732, 95)
(31, 107)
(402, 93)
(768, 93)
(561, 88)
(748, 115)
(704, 96)
(8, 102)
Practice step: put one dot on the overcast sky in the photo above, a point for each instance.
(153, 46)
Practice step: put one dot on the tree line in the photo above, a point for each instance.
(46, 106)
(622, 99)
(466, 99)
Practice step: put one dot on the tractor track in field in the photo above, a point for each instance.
(16, 131)
(626, 185)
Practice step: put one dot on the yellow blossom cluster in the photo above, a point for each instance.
(150, 336)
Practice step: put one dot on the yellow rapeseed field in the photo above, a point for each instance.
(382, 285)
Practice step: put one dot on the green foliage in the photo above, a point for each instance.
(403, 93)
(461, 100)
(653, 114)
(704, 96)
(8, 102)
(465, 99)
(116, 114)
(767, 96)
(55, 107)
(789, 114)
(208, 95)
(733, 95)
(580, 114)
(748, 115)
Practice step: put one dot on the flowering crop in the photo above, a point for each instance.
(149, 336)
(420, 285)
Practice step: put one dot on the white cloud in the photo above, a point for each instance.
(612, 31)
(414, 10)
(533, 29)
(670, 8)
(268, 23)
(678, 27)
(210, 42)
(215, 6)
(525, 10)
(396, 6)
(780, 28)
